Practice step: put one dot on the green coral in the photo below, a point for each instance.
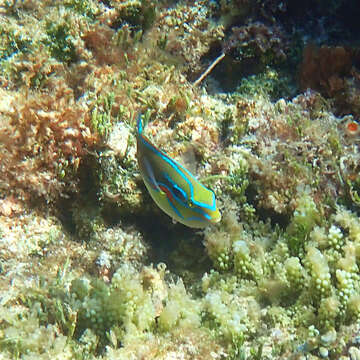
(271, 82)
(119, 306)
(318, 292)
(180, 310)
(101, 115)
(295, 273)
(305, 217)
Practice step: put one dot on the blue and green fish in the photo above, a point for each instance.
(173, 188)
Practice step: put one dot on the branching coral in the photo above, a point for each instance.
(318, 287)
(91, 313)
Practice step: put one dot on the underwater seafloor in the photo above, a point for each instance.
(91, 268)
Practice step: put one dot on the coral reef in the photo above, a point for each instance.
(185, 44)
(44, 140)
(91, 268)
(256, 41)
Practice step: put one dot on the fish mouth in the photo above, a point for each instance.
(215, 219)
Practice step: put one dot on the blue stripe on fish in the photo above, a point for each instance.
(177, 167)
(173, 187)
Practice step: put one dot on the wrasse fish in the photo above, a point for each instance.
(173, 188)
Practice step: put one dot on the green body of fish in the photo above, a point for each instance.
(173, 188)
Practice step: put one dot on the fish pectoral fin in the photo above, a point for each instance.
(150, 175)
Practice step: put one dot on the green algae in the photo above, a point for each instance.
(59, 42)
